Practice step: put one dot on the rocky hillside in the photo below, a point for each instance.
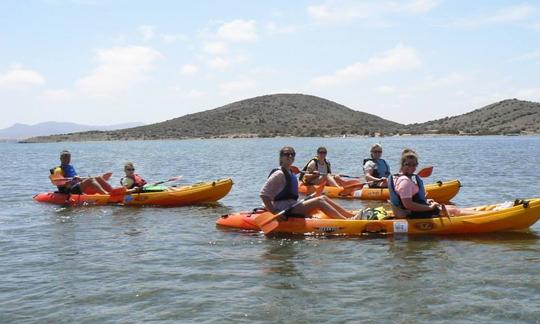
(265, 116)
(510, 116)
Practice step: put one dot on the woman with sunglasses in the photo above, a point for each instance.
(376, 170)
(132, 181)
(280, 192)
(318, 168)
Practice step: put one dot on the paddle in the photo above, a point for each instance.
(163, 181)
(423, 173)
(62, 181)
(268, 221)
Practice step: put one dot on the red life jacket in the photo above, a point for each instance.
(137, 181)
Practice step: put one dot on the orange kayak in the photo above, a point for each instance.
(439, 191)
(210, 191)
(488, 218)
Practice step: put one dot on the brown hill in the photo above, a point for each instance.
(510, 116)
(264, 116)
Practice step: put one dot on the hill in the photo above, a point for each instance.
(20, 131)
(510, 116)
(264, 116)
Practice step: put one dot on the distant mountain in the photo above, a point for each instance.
(21, 131)
(510, 116)
(265, 116)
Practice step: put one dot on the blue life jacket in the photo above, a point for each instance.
(420, 197)
(381, 168)
(291, 187)
(69, 170)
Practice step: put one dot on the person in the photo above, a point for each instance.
(318, 168)
(280, 192)
(407, 193)
(67, 181)
(376, 170)
(132, 181)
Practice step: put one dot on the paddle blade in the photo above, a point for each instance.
(294, 169)
(425, 172)
(320, 188)
(264, 219)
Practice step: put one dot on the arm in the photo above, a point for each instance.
(368, 171)
(271, 188)
(413, 206)
(311, 173)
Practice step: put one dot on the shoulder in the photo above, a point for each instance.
(369, 164)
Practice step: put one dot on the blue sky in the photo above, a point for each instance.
(104, 62)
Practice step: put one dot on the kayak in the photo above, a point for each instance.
(509, 216)
(202, 192)
(440, 191)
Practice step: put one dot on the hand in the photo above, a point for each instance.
(433, 205)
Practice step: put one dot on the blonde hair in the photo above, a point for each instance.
(128, 165)
(408, 154)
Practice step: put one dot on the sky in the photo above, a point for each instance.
(104, 62)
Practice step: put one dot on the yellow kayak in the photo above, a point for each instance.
(210, 191)
(482, 219)
(440, 191)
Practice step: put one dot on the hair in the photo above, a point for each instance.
(408, 154)
(283, 149)
(374, 146)
(321, 148)
(128, 164)
(65, 153)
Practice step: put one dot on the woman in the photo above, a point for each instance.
(132, 181)
(318, 168)
(376, 170)
(407, 194)
(281, 192)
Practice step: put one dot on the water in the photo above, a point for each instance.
(115, 264)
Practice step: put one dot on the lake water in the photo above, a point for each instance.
(116, 264)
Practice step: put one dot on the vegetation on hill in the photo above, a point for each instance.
(510, 116)
(265, 116)
(304, 115)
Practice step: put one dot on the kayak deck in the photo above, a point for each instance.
(486, 219)
(440, 191)
(202, 192)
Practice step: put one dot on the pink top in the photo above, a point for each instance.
(405, 187)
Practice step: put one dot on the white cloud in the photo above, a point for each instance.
(531, 56)
(147, 32)
(400, 58)
(504, 15)
(189, 69)
(274, 29)
(238, 31)
(194, 94)
(56, 95)
(386, 90)
(219, 63)
(119, 68)
(172, 38)
(343, 10)
(236, 86)
(215, 48)
(18, 76)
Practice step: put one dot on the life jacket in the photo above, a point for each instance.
(419, 197)
(137, 181)
(316, 159)
(60, 172)
(291, 186)
(381, 168)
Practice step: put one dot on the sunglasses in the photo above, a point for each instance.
(322, 152)
(288, 154)
(410, 164)
(130, 169)
(376, 151)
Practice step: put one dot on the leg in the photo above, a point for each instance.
(322, 204)
(91, 186)
(103, 183)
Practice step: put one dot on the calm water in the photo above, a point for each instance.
(116, 264)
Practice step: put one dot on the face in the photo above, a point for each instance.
(287, 156)
(129, 169)
(322, 153)
(409, 166)
(376, 153)
(65, 159)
